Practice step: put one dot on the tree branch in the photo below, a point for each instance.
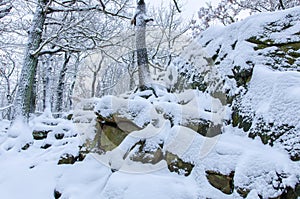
(6, 107)
(51, 51)
(176, 5)
(4, 11)
(102, 4)
(281, 4)
(84, 9)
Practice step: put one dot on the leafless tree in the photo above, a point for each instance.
(68, 30)
(7, 85)
(140, 20)
(227, 11)
(168, 35)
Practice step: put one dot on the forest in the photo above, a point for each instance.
(128, 99)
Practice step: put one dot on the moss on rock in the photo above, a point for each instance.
(144, 155)
(40, 135)
(176, 164)
(220, 181)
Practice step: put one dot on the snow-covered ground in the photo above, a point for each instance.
(29, 167)
(34, 172)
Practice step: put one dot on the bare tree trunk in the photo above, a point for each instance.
(131, 72)
(8, 97)
(25, 94)
(140, 21)
(47, 82)
(33, 92)
(95, 74)
(45, 86)
(71, 91)
(94, 84)
(281, 4)
(61, 84)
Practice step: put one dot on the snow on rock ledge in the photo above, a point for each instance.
(259, 62)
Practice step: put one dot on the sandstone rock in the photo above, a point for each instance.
(40, 135)
(66, 159)
(145, 155)
(70, 159)
(243, 192)
(220, 181)
(176, 164)
(111, 131)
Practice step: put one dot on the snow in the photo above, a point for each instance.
(224, 38)
(182, 107)
(275, 95)
(265, 45)
(155, 185)
(109, 175)
(34, 172)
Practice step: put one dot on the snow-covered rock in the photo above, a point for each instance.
(246, 85)
(258, 61)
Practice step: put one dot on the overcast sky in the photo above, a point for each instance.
(190, 7)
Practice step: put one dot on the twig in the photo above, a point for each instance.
(102, 4)
(176, 5)
(6, 107)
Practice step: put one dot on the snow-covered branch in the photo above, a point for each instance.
(5, 8)
(86, 9)
(6, 107)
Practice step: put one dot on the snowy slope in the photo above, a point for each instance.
(57, 161)
(259, 61)
(34, 172)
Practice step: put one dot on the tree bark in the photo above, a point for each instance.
(94, 84)
(140, 21)
(281, 4)
(95, 75)
(47, 82)
(25, 98)
(131, 71)
(71, 91)
(61, 84)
